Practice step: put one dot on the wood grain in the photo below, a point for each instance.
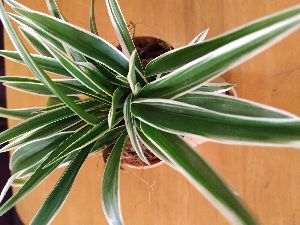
(268, 179)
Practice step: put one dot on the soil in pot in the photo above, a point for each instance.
(149, 48)
(131, 159)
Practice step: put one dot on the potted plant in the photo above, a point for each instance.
(133, 104)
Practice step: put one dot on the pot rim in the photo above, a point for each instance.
(143, 167)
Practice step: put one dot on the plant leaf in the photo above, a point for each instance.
(40, 73)
(120, 27)
(44, 62)
(38, 89)
(61, 190)
(26, 27)
(43, 132)
(54, 101)
(181, 118)
(13, 3)
(19, 182)
(109, 74)
(217, 88)
(93, 26)
(54, 11)
(131, 130)
(71, 87)
(35, 43)
(181, 56)
(40, 121)
(131, 77)
(202, 70)
(20, 79)
(40, 174)
(118, 93)
(103, 142)
(200, 174)
(30, 154)
(97, 108)
(233, 105)
(83, 41)
(100, 80)
(110, 184)
(123, 80)
(18, 114)
(8, 185)
(156, 151)
(85, 76)
(118, 21)
(200, 37)
(89, 137)
(108, 138)
(77, 87)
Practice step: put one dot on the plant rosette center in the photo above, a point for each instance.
(149, 48)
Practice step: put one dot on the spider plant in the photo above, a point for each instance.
(106, 96)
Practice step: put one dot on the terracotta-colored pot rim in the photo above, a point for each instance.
(144, 167)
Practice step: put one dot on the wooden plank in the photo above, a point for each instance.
(267, 179)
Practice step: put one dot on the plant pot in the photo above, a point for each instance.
(149, 48)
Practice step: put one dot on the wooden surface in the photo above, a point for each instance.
(267, 179)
